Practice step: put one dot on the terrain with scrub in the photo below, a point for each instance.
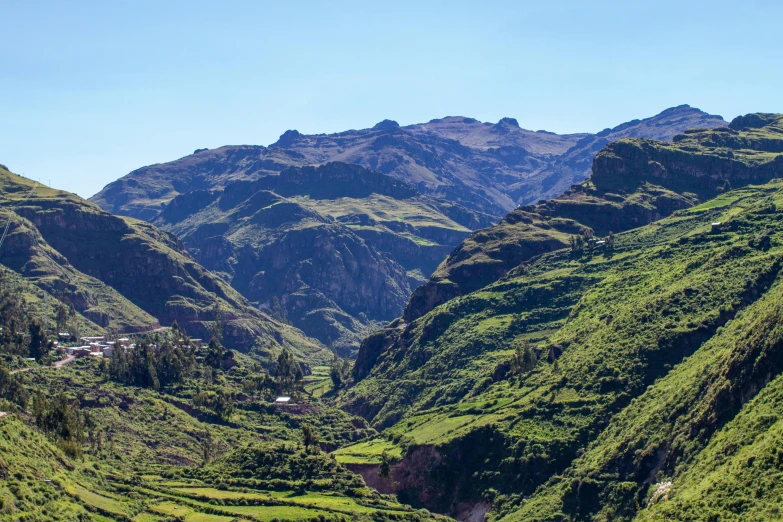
(611, 354)
(154, 455)
(632, 379)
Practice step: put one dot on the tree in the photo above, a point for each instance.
(286, 372)
(384, 470)
(61, 318)
(214, 354)
(336, 372)
(38, 346)
(61, 420)
(524, 358)
(220, 402)
(146, 367)
(278, 311)
(310, 438)
(12, 387)
(217, 325)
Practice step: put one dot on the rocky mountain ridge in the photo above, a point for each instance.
(489, 168)
(634, 182)
(600, 381)
(339, 247)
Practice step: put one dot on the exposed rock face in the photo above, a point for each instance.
(340, 247)
(575, 165)
(634, 182)
(486, 167)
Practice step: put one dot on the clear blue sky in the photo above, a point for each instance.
(92, 90)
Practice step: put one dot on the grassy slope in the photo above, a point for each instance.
(621, 321)
(27, 460)
(634, 182)
(123, 273)
(149, 462)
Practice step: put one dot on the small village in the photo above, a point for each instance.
(101, 346)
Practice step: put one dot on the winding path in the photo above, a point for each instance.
(55, 365)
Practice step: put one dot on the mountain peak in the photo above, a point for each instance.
(288, 138)
(509, 121)
(386, 125)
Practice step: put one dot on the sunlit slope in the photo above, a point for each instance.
(609, 327)
(124, 274)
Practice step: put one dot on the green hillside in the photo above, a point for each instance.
(634, 182)
(589, 377)
(189, 438)
(125, 275)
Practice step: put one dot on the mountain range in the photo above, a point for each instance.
(595, 376)
(340, 229)
(123, 275)
(487, 167)
(614, 352)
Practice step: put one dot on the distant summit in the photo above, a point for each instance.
(386, 125)
(488, 168)
(287, 139)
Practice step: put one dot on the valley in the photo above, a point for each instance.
(281, 352)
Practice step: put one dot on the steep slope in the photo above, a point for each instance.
(574, 166)
(122, 273)
(697, 445)
(338, 246)
(634, 182)
(28, 464)
(643, 359)
(486, 167)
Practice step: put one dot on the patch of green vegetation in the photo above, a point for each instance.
(147, 447)
(369, 452)
(626, 349)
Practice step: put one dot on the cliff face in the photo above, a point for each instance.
(634, 182)
(338, 246)
(124, 274)
(486, 167)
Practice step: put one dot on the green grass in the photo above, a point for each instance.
(385, 209)
(188, 513)
(721, 201)
(218, 493)
(102, 502)
(621, 325)
(369, 452)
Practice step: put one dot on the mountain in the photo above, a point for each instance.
(340, 229)
(634, 182)
(122, 274)
(630, 379)
(339, 247)
(486, 167)
(574, 166)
